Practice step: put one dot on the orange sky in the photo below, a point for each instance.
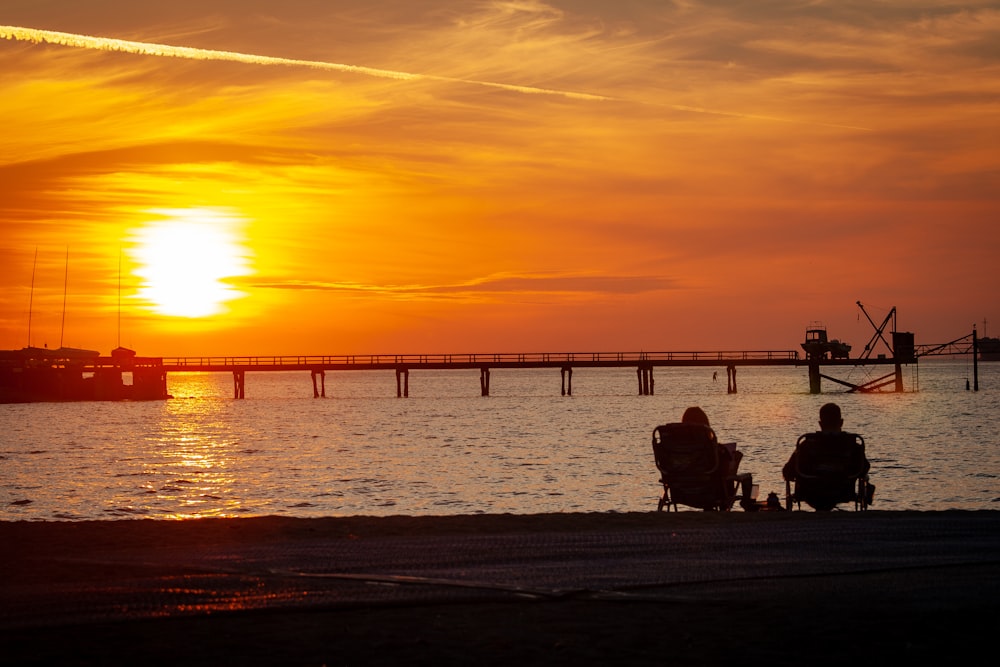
(562, 176)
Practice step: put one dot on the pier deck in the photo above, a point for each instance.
(402, 364)
(36, 374)
(475, 361)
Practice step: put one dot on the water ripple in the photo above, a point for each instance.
(526, 449)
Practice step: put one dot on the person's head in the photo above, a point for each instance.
(695, 415)
(829, 417)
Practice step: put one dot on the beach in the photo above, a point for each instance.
(562, 588)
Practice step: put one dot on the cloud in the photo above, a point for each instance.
(36, 36)
(537, 283)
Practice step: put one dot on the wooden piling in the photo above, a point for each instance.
(646, 382)
(239, 384)
(319, 391)
(484, 380)
(567, 380)
(402, 383)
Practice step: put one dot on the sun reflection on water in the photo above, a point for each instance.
(192, 455)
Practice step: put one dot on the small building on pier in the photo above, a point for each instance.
(34, 374)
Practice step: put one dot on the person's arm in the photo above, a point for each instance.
(788, 472)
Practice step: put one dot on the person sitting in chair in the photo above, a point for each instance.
(729, 457)
(824, 493)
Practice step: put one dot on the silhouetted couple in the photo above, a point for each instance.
(829, 447)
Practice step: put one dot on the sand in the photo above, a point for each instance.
(637, 588)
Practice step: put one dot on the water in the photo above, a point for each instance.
(448, 450)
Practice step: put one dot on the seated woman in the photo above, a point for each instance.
(729, 458)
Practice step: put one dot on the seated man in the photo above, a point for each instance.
(826, 465)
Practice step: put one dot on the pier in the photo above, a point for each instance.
(43, 375)
(34, 374)
(820, 353)
(644, 364)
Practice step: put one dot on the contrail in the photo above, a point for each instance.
(36, 36)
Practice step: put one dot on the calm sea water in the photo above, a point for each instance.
(448, 450)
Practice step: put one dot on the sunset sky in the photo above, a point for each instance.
(430, 176)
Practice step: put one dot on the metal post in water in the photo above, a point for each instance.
(975, 360)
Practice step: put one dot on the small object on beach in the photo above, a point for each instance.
(773, 501)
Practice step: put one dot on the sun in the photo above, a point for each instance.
(186, 257)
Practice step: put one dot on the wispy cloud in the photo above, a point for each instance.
(165, 50)
(37, 36)
(535, 283)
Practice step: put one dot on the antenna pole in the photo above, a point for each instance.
(31, 297)
(62, 329)
(119, 296)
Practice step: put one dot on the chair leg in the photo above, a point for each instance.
(747, 497)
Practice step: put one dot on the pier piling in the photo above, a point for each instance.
(321, 391)
(814, 378)
(646, 382)
(484, 381)
(567, 380)
(402, 383)
(239, 384)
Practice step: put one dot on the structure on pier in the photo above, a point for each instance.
(822, 351)
(35, 374)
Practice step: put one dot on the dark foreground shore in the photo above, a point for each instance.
(643, 588)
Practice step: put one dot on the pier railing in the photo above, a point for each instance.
(511, 360)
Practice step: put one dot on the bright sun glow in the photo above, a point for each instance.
(186, 257)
